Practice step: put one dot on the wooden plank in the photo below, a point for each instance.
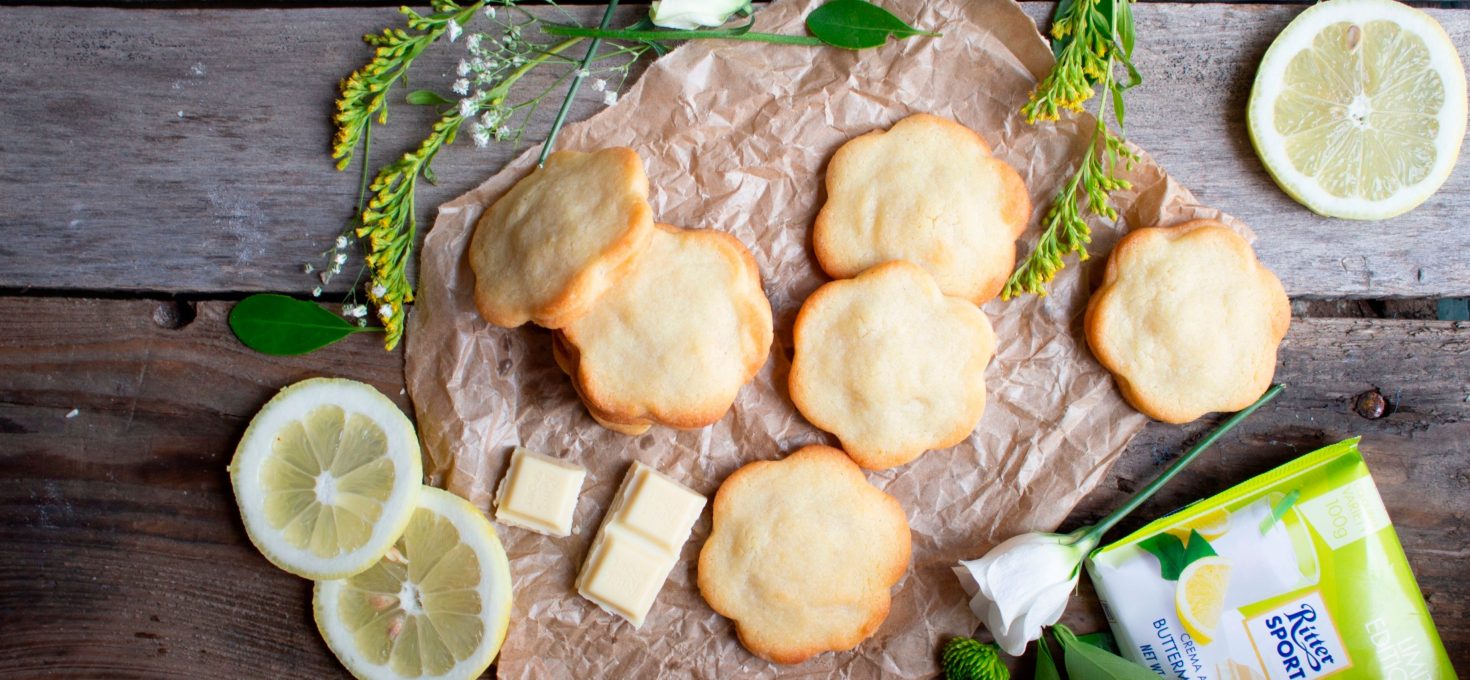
(184, 151)
(125, 557)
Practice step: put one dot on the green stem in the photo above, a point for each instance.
(1096, 532)
(658, 36)
(566, 104)
(504, 87)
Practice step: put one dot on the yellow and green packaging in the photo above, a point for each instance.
(1294, 575)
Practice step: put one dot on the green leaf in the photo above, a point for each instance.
(1126, 33)
(427, 98)
(1119, 110)
(1170, 552)
(1046, 668)
(284, 326)
(1102, 640)
(1279, 510)
(857, 24)
(1173, 555)
(1086, 662)
(1198, 548)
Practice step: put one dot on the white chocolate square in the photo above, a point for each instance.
(639, 543)
(625, 578)
(539, 493)
(659, 509)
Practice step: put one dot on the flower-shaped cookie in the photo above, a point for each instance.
(1188, 321)
(802, 554)
(553, 244)
(890, 364)
(927, 191)
(675, 339)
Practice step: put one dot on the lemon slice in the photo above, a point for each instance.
(1200, 597)
(1359, 108)
(436, 606)
(327, 476)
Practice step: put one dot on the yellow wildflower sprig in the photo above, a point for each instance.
(1091, 39)
(389, 225)
(365, 91)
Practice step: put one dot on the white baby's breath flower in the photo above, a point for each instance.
(341, 258)
(385, 312)
(463, 69)
(341, 242)
(599, 85)
(308, 268)
(379, 291)
(610, 97)
(481, 135)
(467, 107)
(316, 292)
(454, 30)
(461, 87)
(490, 12)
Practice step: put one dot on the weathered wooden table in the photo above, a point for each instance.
(158, 163)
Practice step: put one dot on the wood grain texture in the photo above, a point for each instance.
(124, 555)
(150, 150)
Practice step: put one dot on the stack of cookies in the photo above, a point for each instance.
(655, 324)
(919, 228)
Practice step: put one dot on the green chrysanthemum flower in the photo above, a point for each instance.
(969, 659)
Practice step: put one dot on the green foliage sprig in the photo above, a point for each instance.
(1084, 659)
(365, 91)
(1092, 40)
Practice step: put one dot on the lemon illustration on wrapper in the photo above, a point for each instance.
(1200, 597)
(1359, 108)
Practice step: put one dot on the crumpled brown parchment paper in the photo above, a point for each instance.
(735, 137)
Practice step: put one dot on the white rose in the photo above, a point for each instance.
(1023, 584)
(692, 14)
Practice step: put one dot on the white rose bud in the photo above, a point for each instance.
(692, 14)
(1023, 584)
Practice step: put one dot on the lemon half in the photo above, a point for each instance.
(1200, 597)
(436, 606)
(1359, 108)
(327, 476)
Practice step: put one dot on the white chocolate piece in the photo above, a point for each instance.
(639, 543)
(539, 493)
